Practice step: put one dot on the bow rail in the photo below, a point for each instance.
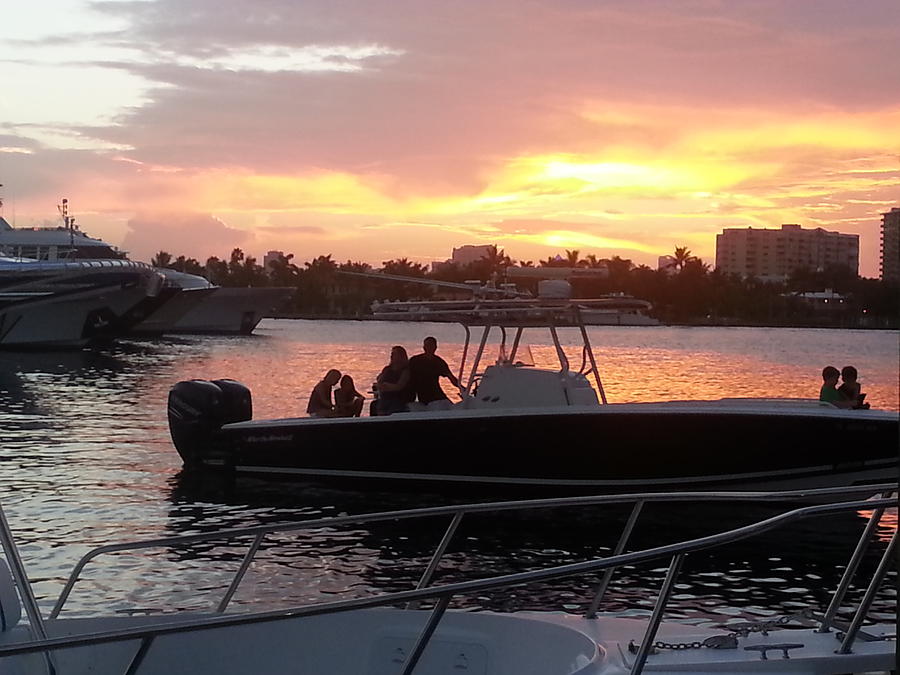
(443, 594)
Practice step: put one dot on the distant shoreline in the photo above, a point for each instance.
(699, 323)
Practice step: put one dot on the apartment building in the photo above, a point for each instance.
(771, 255)
(890, 251)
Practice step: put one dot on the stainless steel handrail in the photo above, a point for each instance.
(861, 545)
(516, 505)
(657, 615)
(447, 591)
(29, 601)
(620, 548)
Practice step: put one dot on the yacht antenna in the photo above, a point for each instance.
(68, 222)
(64, 212)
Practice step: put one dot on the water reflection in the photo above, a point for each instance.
(778, 573)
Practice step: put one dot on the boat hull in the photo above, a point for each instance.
(230, 311)
(164, 318)
(59, 306)
(628, 447)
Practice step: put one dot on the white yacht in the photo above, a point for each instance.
(187, 303)
(619, 310)
(201, 307)
(70, 304)
(418, 631)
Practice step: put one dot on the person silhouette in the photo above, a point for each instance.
(850, 388)
(320, 403)
(392, 384)
(425, 371)
(347, 401)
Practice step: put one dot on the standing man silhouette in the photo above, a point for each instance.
(425, 371)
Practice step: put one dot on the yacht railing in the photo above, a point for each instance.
(68, 265)
(443, 594)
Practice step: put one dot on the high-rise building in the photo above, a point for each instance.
(271, 257)
(890, 251)
(466, 255)
(667, 264)
(772, 255)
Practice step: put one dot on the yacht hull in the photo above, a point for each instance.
(624, 447)
(230, 311)
(165, 317)
(70, 305)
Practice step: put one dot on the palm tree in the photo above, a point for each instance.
(594, 262)
(619, 267)
(682, 257)
(187, 265)
(573, 259)
(282, 271)
(553, 261)
(322, 264)
(496, 260)
(404, 267)
(217, 271)
(161, 259)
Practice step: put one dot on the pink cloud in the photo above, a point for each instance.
(193, 235)
(462, 90)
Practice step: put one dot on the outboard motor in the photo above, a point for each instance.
(198, 409)
(237, 403)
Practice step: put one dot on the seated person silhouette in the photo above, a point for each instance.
(347, 401)
(320, 404)
(850, 388)
(392, 384)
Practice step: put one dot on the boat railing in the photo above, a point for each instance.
(68, 265)
(443, 594)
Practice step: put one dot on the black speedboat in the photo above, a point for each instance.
(518, 425)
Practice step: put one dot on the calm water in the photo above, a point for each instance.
(85, 459)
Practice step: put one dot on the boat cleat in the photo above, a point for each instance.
(785, 648)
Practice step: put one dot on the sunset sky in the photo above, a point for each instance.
(380, 129)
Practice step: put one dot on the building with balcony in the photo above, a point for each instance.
(772, 255)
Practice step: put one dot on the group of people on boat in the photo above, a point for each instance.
(404, 382)
(848, 395)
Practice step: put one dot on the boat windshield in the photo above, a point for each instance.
(523, 356)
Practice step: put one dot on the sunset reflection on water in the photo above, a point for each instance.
(887, 526)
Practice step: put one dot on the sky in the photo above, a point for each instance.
(372, 129)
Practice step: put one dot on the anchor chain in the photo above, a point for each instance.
(805, 617)
(743, 629)
(712, 642)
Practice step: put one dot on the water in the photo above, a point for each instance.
(85, 460)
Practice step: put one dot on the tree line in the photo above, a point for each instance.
(689, 292)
